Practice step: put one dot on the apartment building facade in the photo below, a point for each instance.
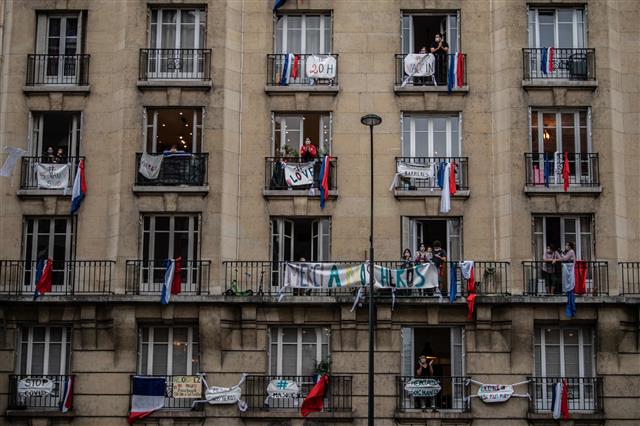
(189, 119)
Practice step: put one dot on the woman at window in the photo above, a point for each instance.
(424, 254)
(308, 151)
(549, 275)
(407, 263)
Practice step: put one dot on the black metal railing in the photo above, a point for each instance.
(583, 169)
(440, 76)
(432, 393)
(181, 169)
(175, 64)
(567, 64)
(545, 278)
(433, 165)
(68, 276)
(147, 276)
(630, 278)
(584, 393)
(275, 68)
(36, 392)
(174, 397)
(266, 393)
(275, 177)
(30, 166)
(58, 70)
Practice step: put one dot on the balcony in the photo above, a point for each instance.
(571, 68)
(260, 397)
(70, 277)
(34, 182)
(430, 166)
(543, 279)
(438, 83)
(36, 392)
(313, 73)
(181, 392)
(584, 173)
(175, 67)
(277, 170)
(146, 277)
(68, 73)
(181, 172)
(630, 278)
(432, 393)
(585, 394)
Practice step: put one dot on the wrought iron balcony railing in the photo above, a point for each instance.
(275, 178)
(440, 76)
(181, 169)
(583, 169)
(433, 165)
(175, 64)
(630, 278)
(432, 393)
(57, 70)
(585, 394)
(36, 392)
(274, 393)
(275, 68)
(29, 170)
(147, 276)
(181, 391)
(68, 277)
(545, 279)
(567, 64)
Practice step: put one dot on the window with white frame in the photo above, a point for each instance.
(303, 33)
(44, 350)
(177, 28)
(420, 29)
(293, 239)
(557, 27)
(560, 131)
(170, 236)
(431, 135)
(169, 351)
(296, 351)
(59, 36)
(173, 130)
(291, 130)
(559, 230)
(417, 230)
(55, 135)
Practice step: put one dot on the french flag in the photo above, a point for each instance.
(44, 272)
(66, 403)
(79, 189)
(324, 180)
(172, 283)
(147, 397)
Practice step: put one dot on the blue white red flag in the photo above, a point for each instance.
(44, 270)
(66, 402)
(324, 180)
(147, 397)
(79, 189)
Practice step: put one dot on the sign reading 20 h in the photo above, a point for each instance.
(321, 66)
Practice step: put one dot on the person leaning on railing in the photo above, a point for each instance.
(549, 269)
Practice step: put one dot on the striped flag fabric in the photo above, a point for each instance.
(147, 396)
(66, 401)
(44, 271)
(79, 189)
(172, 281)
(324, 180)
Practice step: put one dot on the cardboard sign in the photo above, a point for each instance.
(35, 387)
(495, 393)
(186, 386)
(423, 387)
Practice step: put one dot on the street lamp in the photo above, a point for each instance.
(371, 120)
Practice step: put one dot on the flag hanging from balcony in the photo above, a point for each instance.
(44, 270)
(147, 397)
(79, 189)
(171, 283)
(546, 60)
(315, 398)
(324, 180)
(278, 4)
(468, 273)
(14, 155)
(565, 172)
(560, 400)
(453, 281)
(581, 277)
(66, 401)
(286, 69)
(445, 196)
(569, 283)
(455, 77)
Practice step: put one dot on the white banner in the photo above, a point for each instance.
(298, 174)
(417, 171)
(35, 387)
(419, 64)
(423, 387)
(150, 165)
(217, 395)
(11, 161)
(52, 176)
(321, 66)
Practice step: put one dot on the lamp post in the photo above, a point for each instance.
(371, 120)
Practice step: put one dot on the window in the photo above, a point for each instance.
(59, 36)
(428, 135)
(426, 230)
(560, 28)
(296, 351)
(304, 34)
(169, 351)
(419, 29)
(559, 230)
(177, 28)
(168, 237)
(55, 136)
(290, 131)
(173, 129)
(44, 350)
(562, 131)
(295, 239)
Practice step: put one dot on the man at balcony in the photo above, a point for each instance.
(440, 49)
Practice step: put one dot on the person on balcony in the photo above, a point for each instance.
(424, 254)
(440, 49)
(308, 151)
(549, 269)
(440, 260)
(407, 263)
(425, 369)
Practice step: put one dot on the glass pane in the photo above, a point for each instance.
(309, 335)
(312, 34)
(309, 359)
(546, 22)
(289, 359)
(195, 358)
(38, 334)
(37, 358)
(327, 34)
(160, 357)
(55, 357)
(294, 34)
(161, 334)
(168, 29)
(144, 350)
(290, 335)
(180, 346)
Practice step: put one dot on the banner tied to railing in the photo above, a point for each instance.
(52, 176)
(150, 165)
(321, 66)
(413, 170)
(218, 395)
(299, 174)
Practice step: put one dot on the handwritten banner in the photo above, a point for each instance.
(186, 386)
(52, 176)
(419, 64)
(150, 165)
(321, 66)
(299, 174)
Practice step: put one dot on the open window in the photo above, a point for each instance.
(296, 351)
(559, 230)
(419, 29)
(55, 135)
(294, 239)
(173, 130)
(291, 130)
(428, 230)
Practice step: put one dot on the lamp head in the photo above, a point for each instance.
(371, 120)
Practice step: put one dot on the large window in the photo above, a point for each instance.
(59, 37)
(44, 350)
(419, 29)
(169, 351)
(173, 130)
(304, 34)
(560, 131)
(559, 230)
(294, 239)
(430, 135)
(448, 232)
(296, 351)
(291, 130)
(560, 28)
(168, 237)
(55, 136)
(177, 28)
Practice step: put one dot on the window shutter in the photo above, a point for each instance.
(41, 34)
(406, 235)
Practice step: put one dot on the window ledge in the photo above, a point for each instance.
(187, 84)
(177, 413)
(546, 417)
(303, 88)
(548, 83)
(421, 89)
(279, 413)
(183, 189)
(558, 189)
(33, 412)
(283, 193)
(427, 413)
(46, 88)
(422, 193)
(44, 193)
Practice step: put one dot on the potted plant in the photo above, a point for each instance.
(322, 368)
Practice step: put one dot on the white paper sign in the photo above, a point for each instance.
(321, 66)
(280, 388)
(423, 387)
(52, 176)
(216, 395)
(34, 387)
(419, 64)
(495, 393)
(298, 174)
(414, 170)
(150, 165)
